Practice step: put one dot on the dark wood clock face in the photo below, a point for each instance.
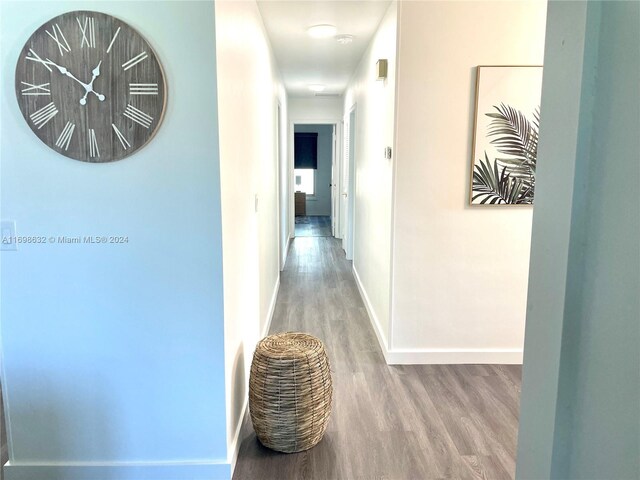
(90, 87)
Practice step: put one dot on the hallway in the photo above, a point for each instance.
(313, 226)
(392, 422)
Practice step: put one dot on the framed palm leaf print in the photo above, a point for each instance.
(505, 139)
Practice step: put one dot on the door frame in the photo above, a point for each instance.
(348, 181)
(282, 187)
(335, 193)
(337, 160)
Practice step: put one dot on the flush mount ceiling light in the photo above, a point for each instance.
(322, 31)
(344, 39)
(317, 87)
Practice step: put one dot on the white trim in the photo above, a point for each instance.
(434, 356)
(337, 181)
(293, 121)
(382, 339)
(234, 446)
(286, 253)
(279, 186)
(119, 471)
(394, 181)
(351, 187)
(449, 356)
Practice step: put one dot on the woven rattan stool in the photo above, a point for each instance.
(290, 391)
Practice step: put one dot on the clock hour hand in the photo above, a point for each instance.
(89, 87)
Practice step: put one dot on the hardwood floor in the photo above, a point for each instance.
(313, 226)
(388, 422)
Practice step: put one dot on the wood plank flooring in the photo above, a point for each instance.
(313, 226)
(388, 422)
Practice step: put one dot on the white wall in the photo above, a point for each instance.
(310, 109)
(375, 102)
(249, 92)
(459, 273)
(581, 383)
(320, 202)
(113, 354)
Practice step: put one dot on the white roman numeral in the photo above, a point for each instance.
(143, 89)
(138, 116)
(33, 56)
(113, 40)
(63, 47)
(123, 141)
(93, 144)
(42, 116)
(88, 32)
(134, 61)
(65, 137)
(35, 89)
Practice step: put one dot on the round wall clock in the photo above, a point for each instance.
(90, 87)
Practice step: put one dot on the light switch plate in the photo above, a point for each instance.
(8, 240)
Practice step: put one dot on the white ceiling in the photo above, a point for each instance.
(304, 60)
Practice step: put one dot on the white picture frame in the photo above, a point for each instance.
(505, 135)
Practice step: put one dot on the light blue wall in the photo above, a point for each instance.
(321, 204)
(588, 425)
(114, 353)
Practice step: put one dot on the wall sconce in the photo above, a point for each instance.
(381, 69)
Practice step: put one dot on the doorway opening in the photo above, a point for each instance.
(314, 175)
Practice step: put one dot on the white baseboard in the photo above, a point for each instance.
(286, 253)
(234, 447)
(118, 471)
(373, 318)
(272, 308)
(445, 356)
(434, 356)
